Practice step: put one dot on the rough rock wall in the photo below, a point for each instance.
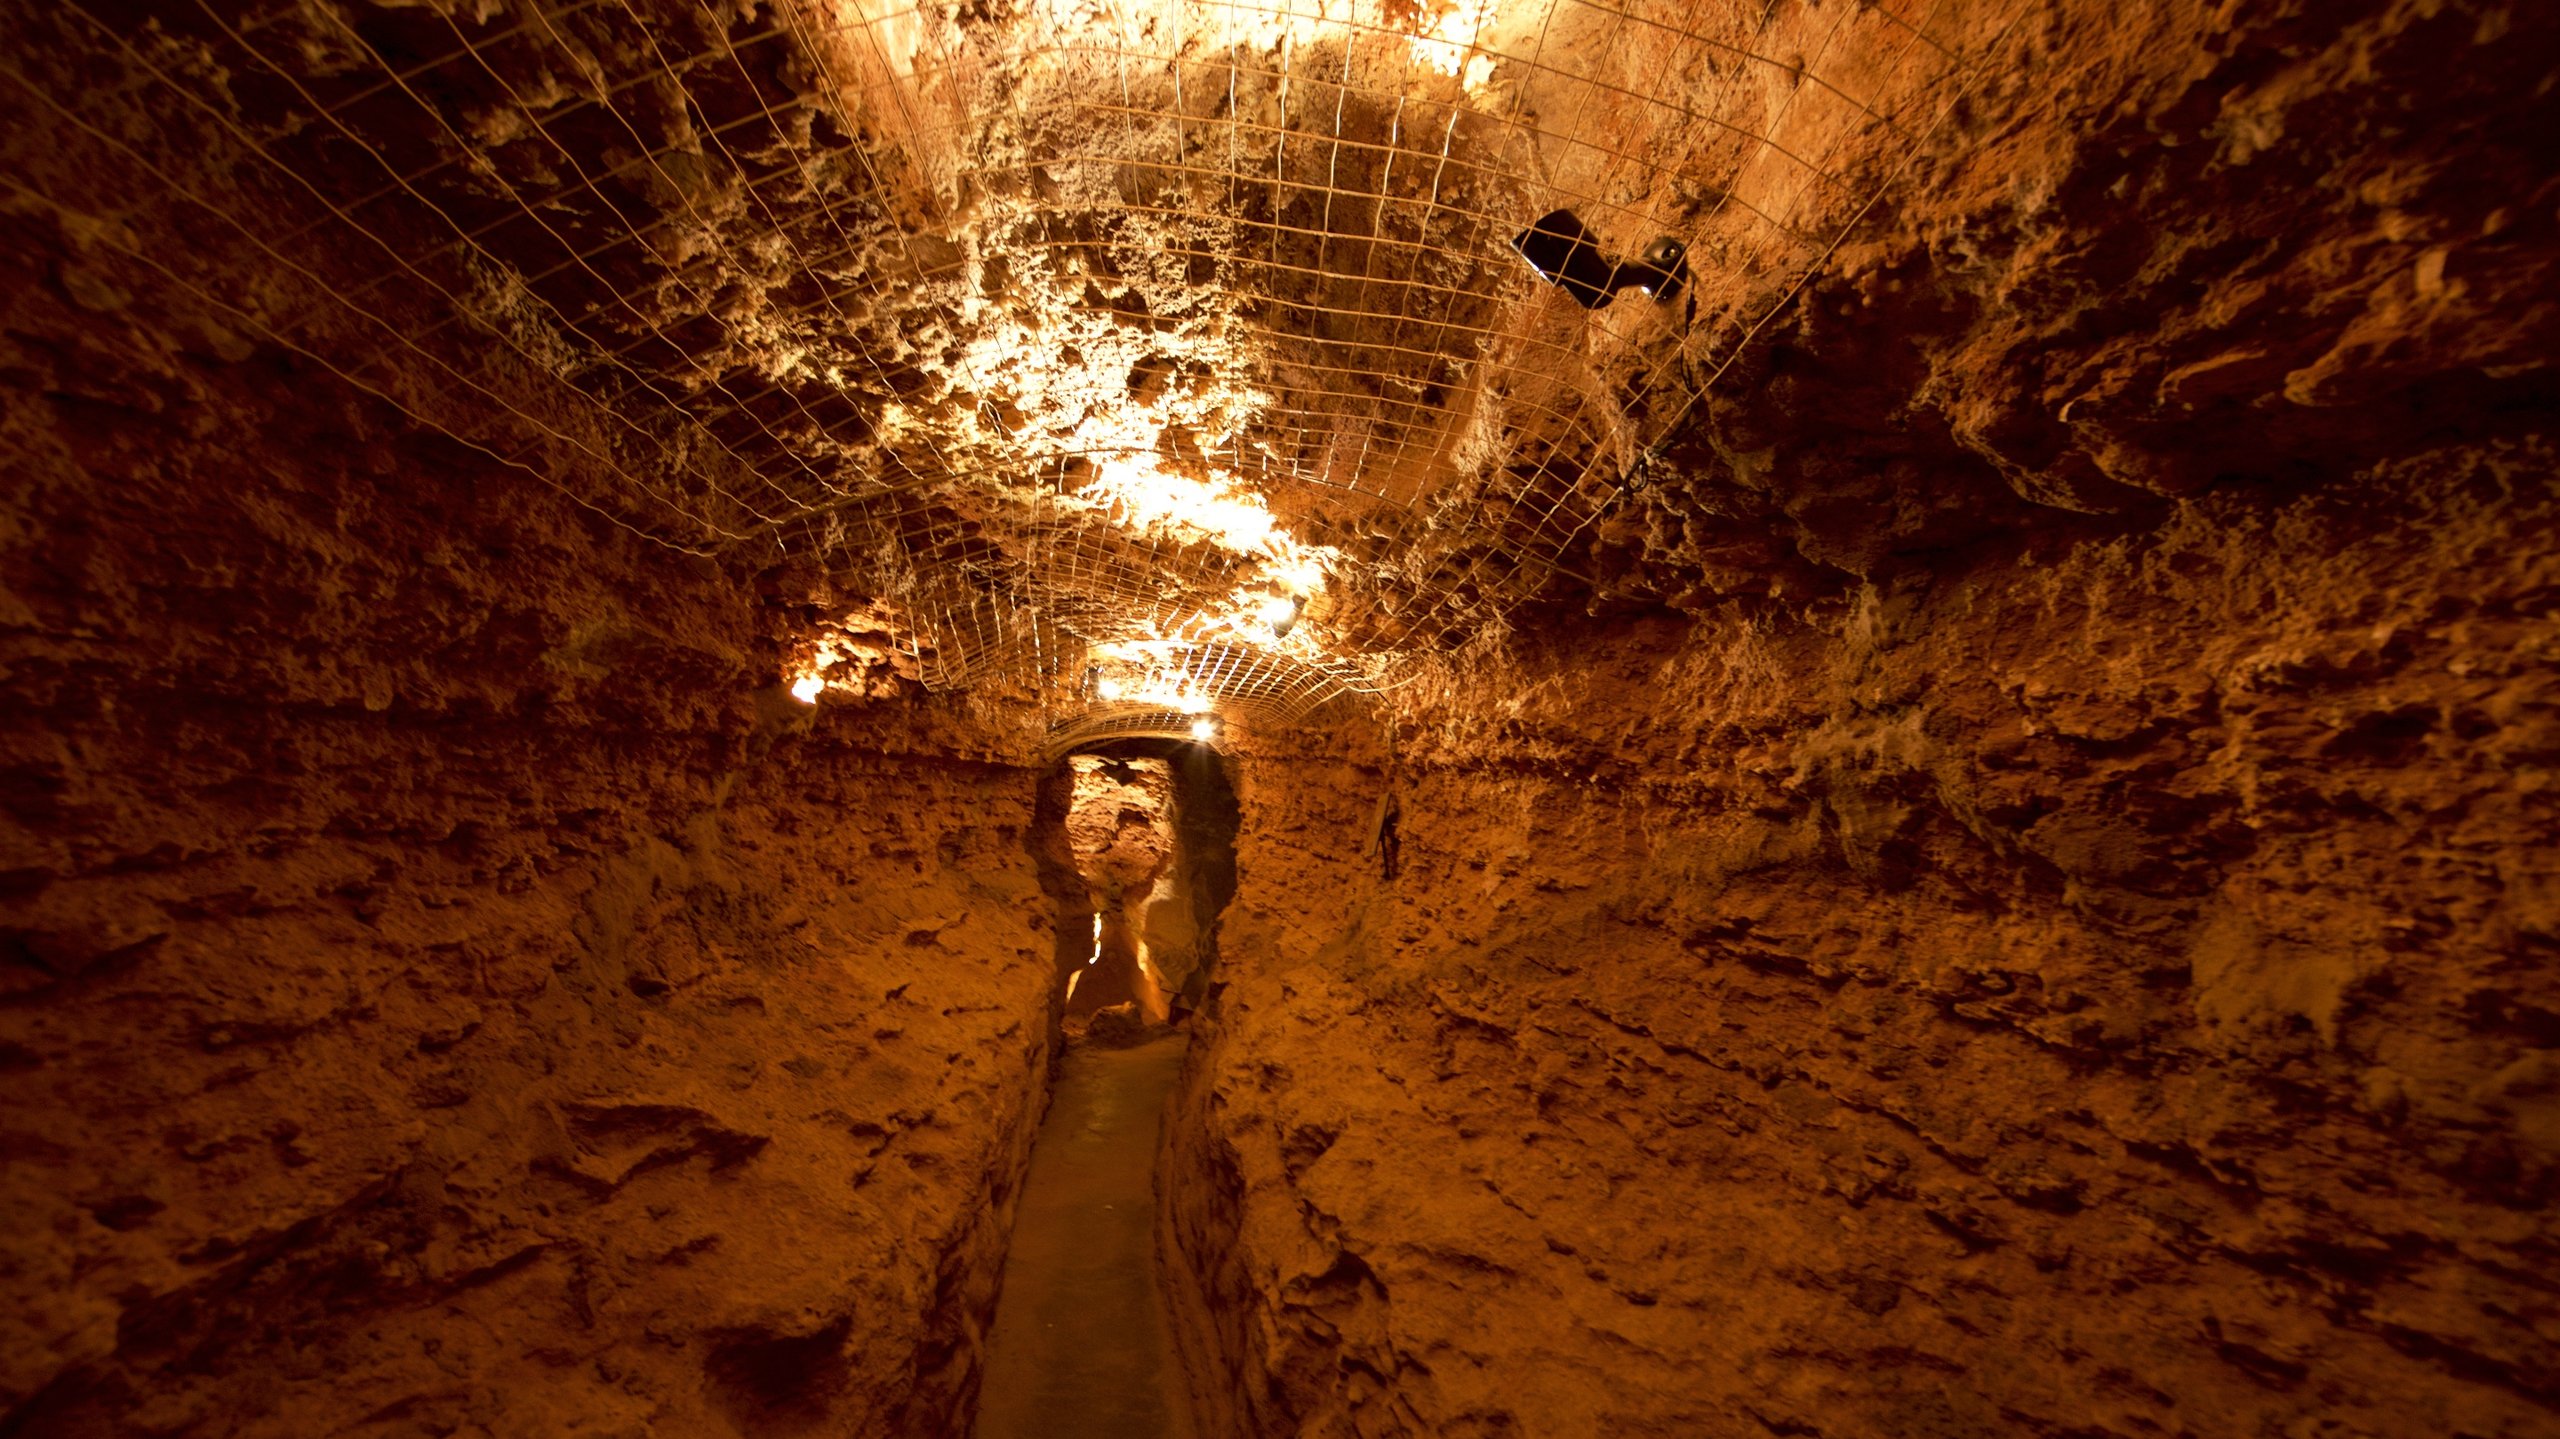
(1184, 912)
(444, 986)
(1121, 825)
(2108, 996)
(2162, 246)
(2043, 922)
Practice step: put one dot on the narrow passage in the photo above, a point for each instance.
(1080, 1346)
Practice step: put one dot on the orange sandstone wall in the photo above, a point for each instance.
(444, 988)
(2019, 893)
(2114, 996)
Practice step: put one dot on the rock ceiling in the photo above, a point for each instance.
(1142, 357)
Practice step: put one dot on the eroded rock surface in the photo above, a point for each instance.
(2110, 996)
(445, 985)
(1996, 875)
(2055, 934)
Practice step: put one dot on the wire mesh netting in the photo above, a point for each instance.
(1154, 358)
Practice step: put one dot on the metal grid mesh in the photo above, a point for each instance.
(912, 294)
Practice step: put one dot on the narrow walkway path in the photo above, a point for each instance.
(1080, 1348)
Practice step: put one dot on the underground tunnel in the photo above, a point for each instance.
(1389, 718)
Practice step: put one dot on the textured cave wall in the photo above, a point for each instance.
(445, 987)
(2114, 996)
(2021, 904)
(2044, 921)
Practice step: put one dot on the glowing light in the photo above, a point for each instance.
(1135, 491)
(1097, 939)
(1301, 571)
(1278, 613)
(1446, 44)
(1237, 520)
(806, 688)
(1204, 728)
(1153, 672)
(1441, 32)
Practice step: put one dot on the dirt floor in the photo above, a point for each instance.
(1080, 1345)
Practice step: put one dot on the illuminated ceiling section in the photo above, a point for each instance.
(1240, 311)
(1137, 358)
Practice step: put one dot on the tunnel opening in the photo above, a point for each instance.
(1138, 844)
(1140, 835)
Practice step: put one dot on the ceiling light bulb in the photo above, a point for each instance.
(1109, 689)
(1279, 612)
(1204, 728)
(805, 689)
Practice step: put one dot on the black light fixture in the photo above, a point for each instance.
(1567, 255)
